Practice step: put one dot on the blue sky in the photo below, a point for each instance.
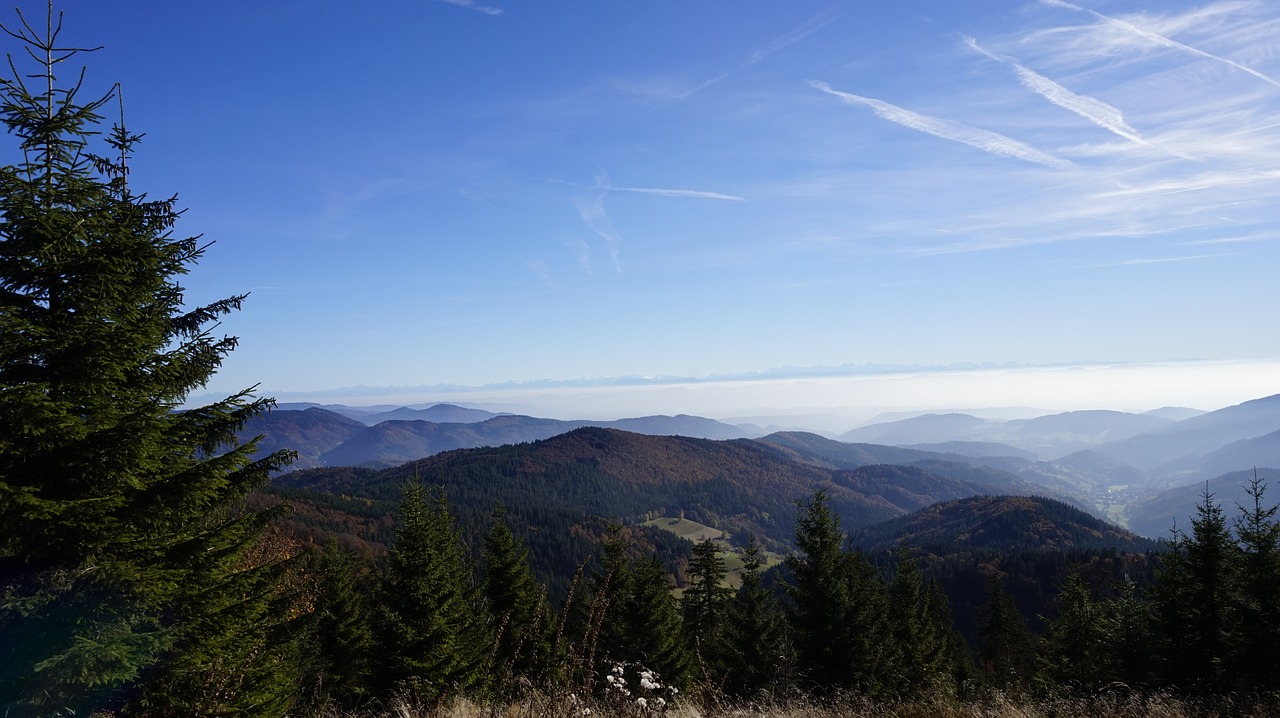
(438, 192)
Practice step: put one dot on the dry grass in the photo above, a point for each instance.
(994, 705)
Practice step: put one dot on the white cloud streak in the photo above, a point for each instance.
(1159, 260)
(597, 220)
(591, 210)
(471, 5)
(582, 251)
(1096, 111)
(1158, 39)
(681, 193)
(985, 140)
(781, 42)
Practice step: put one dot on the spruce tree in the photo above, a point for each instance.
(341, 632)
(1195, 602)
(1130, 640)
(517, 606)
(1258, 597)
(957, 661)
(703, 605)
(1074, 650)
(431, 634)
(632, 619)
(126, 583)
(818, 595)
(839, 608)
(920, 637)
(648, 631)
(1006, 647)
(589, 619)
(755, 642)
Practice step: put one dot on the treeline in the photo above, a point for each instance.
(426, 624)
(1204, 625)
(431, 624)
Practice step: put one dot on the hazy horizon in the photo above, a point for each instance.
(838, 403)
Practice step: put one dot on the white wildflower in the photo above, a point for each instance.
(642, 702)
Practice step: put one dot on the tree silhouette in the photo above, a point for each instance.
(128, 582)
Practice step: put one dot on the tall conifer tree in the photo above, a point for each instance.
(1258, 609)
(839, 609)
(1130, 640)
(755, 641)
(341, 631)
(124, 583)
(516, 604)
(1006, 650)
(647, 619)
(430, 620)
(1196, 601)
(632, 618)
(704, 605)
(1075, 649)
(919, 636)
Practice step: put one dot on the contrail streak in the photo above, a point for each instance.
(985, 140)
(797, 34)
(1160, 39)
(692, 193)
(1099, 113)
(470, 5)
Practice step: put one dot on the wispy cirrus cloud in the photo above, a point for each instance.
(781, 42)
(592, 211)
(1096, 111)
(476, 7)
(1262, 236)
(985, 140)
(1158, 39)
(680, 193)
(1138, 262)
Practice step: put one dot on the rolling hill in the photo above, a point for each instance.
(311, 432)
(1185, 441)
(1158, 515)
(997, 524)
(747, 486)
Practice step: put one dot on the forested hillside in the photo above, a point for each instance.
(748, 488)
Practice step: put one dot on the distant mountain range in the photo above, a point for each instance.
(323, 437)
(744, 486)
(1047, 437)
(442, 413)
(1114, 464)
